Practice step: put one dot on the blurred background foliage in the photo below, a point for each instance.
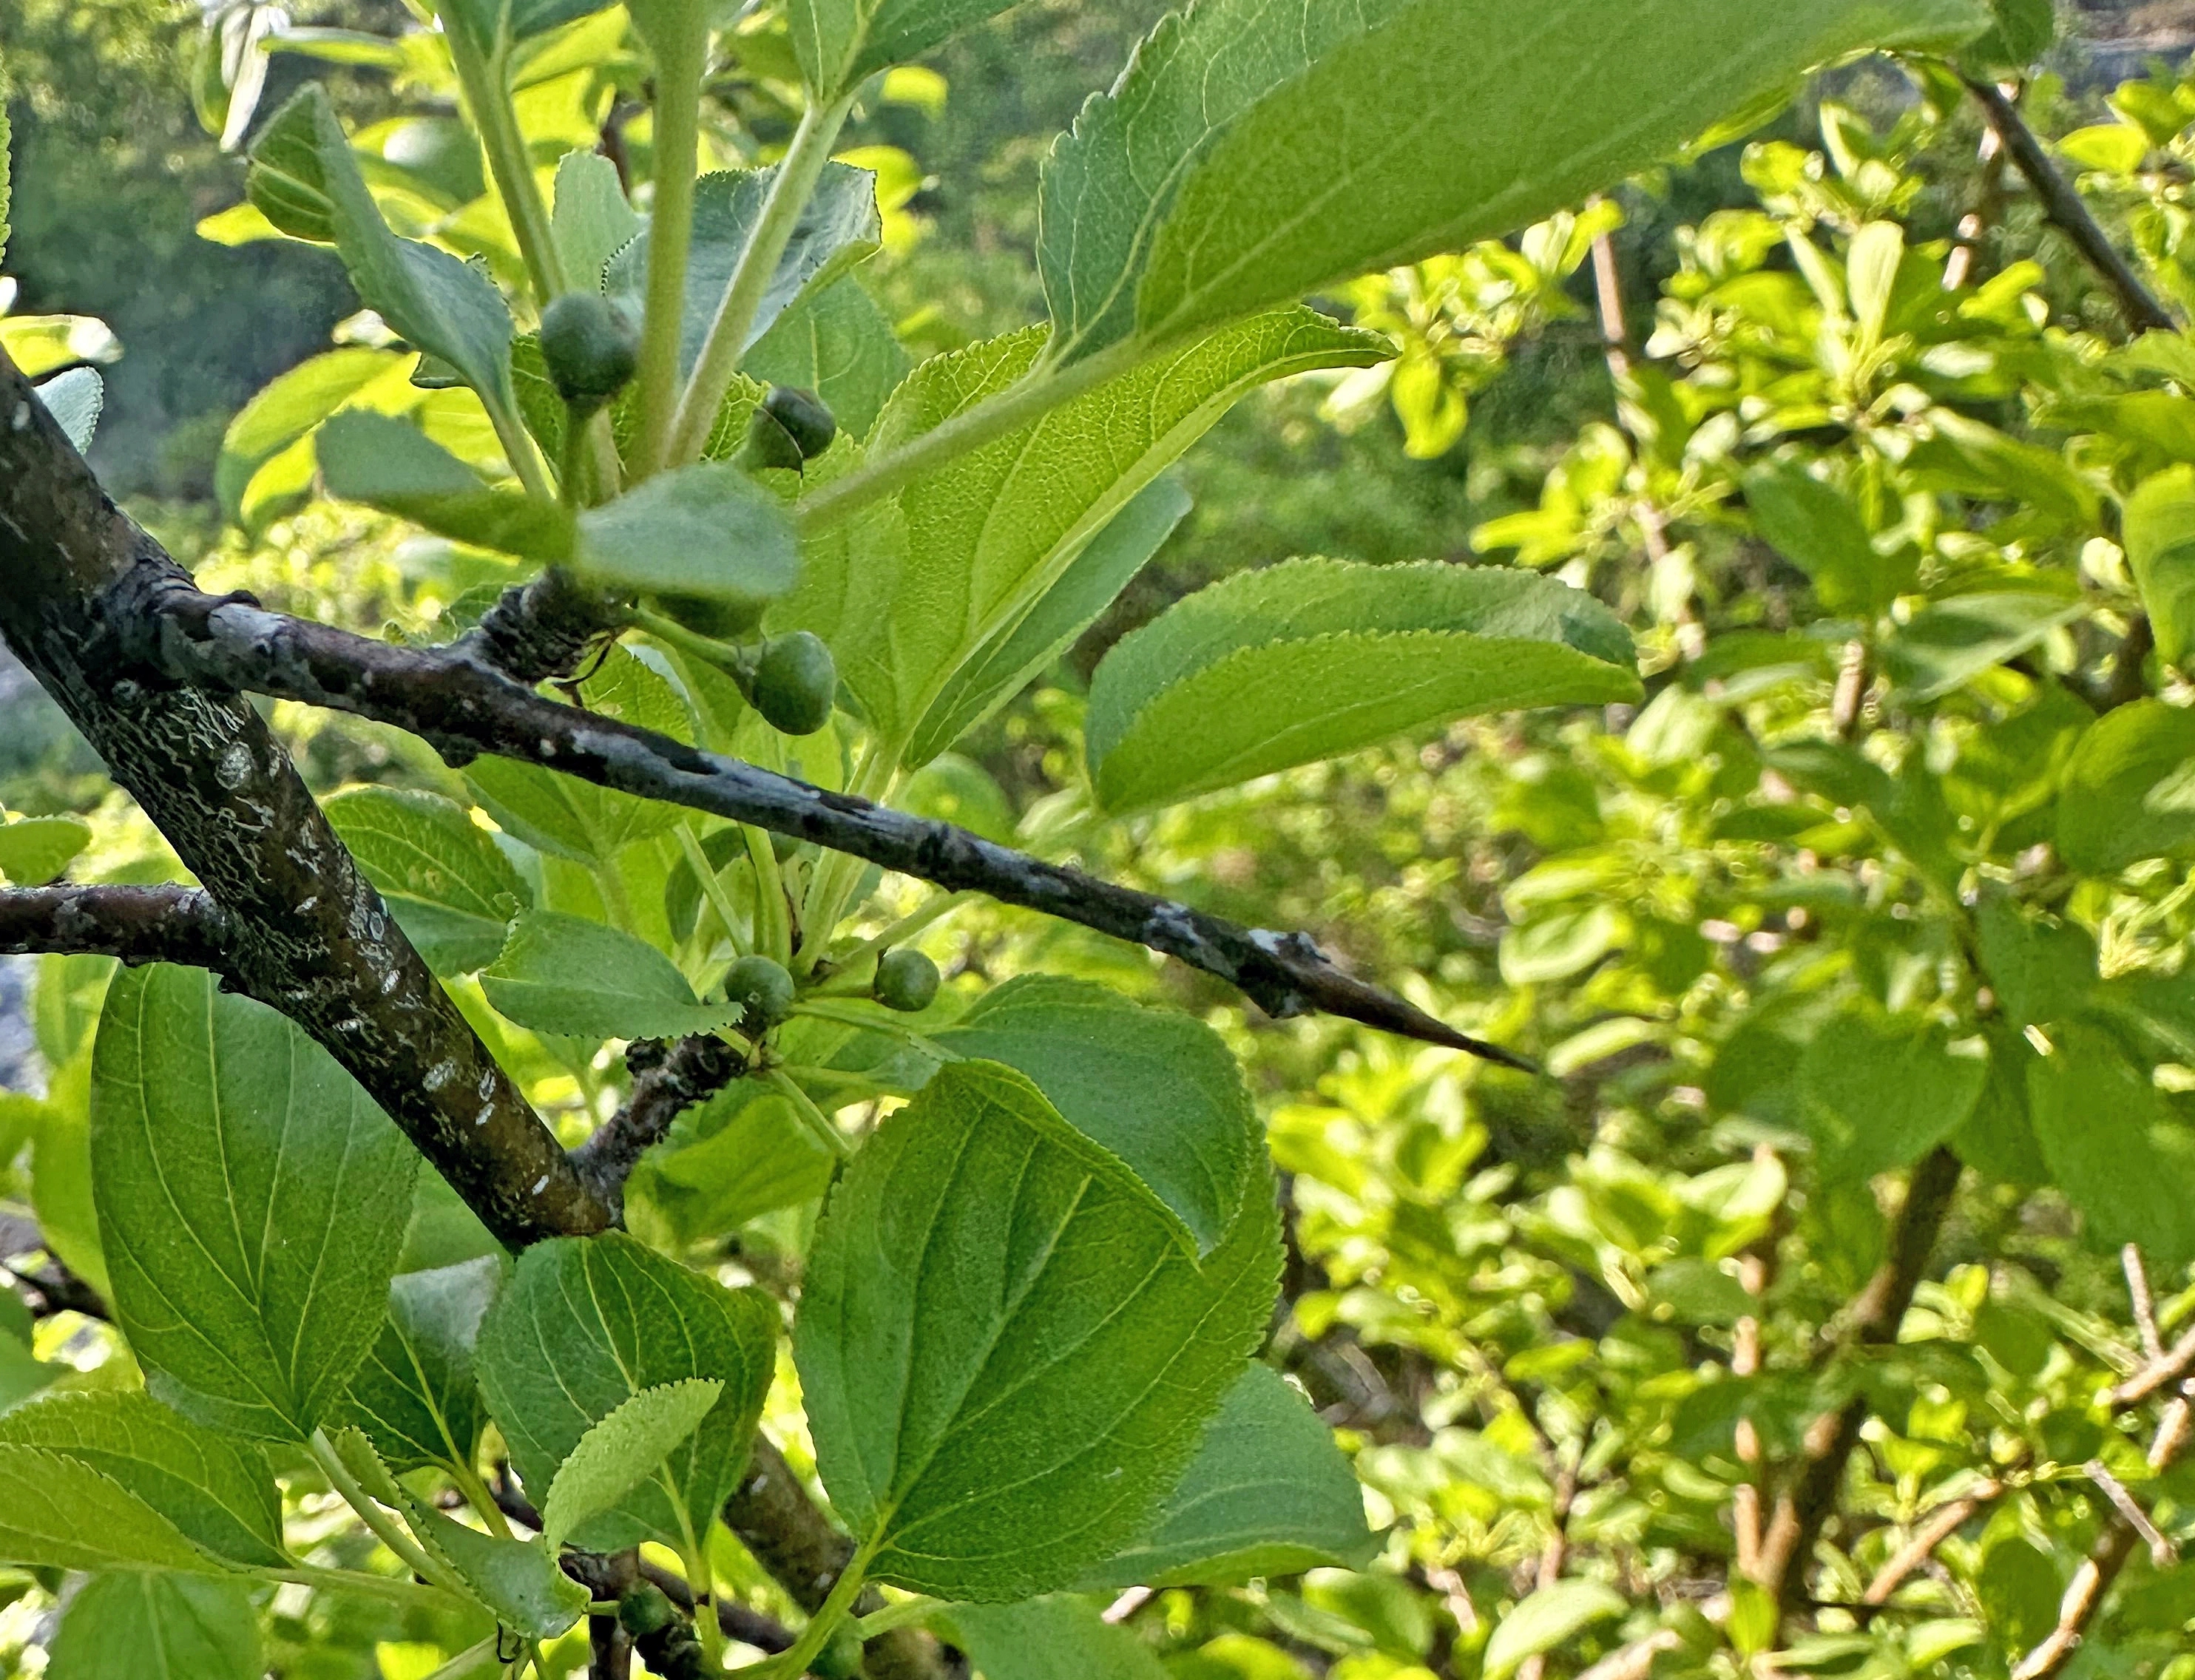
(1871, 854)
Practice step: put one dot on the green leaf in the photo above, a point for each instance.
(620, 1451)
(416, 1398)
(838, 226)
(906, 592)
(1156, 1088)
(516, 1581)
(1816, 527)
(1052, 1638)
(217, 1492)
(1007, 1355)
(569, 817)
(580, 979)
(2158, 529)
(1267, 1493)
(442, 874)
(586, 1324)
(1948, 644)
(1546, 1619)
(762, 1159)
(304, 170)
(1256, 151)
(836, 344)
(592, 222)
(74, 399)
(2042, 971)
(251, 1203)
(1315, 657)
(34, 850)
(839, 42)
(391, 464)
(2122, 1152)
(1876, 1096)
(707, 530)
(1016, 656)
(59, 1512)
(2129, 790)
(157, 1627)
(290, 407)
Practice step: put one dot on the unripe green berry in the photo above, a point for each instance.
(644, 1610)
(808, 421)
(840, 1658)
(589, 349)
(763, 986)
(907, 980)
(795, 684)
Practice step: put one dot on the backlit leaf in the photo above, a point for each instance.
(2129, 790)
(391, 464)
(60, 1511)
(416, 1397)
(839, 42)
(33, 850)
(1547, 1619)
(578, 979)
(1007, 1353)
(1054, 1638)
(157, 1627)
(586, 1324)
(442, 874)
(2159, 528)
(1312, 659)
(252, 1201)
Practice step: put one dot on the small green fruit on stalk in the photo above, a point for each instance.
(590, 350)
(907, 980)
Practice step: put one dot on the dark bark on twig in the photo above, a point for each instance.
(312, 937)
(2129, 680)
(2066, 211)
(773, 1518)
(136, 924)
(606, 1577)
(667, 1080)
(1807, 1505)
(464, 707)
(542, 629)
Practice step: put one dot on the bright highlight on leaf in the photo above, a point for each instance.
(622, 1450)
(1316, 658)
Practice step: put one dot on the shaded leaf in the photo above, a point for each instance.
(578, 979)
(836, 344)
(442, 874)
(1315, 657)
(1952, 642)
(2130, 789)
(157, 1627)
(2115, 1145)
(707, 530)
(416, 1398)
(839, 42)
(1876, 1096)
(251, 1203)
(1054, 1638)
(1546, 1619)
(1006, 1353)
(1156, 1088)
(586, 1324)
(391, 464)
(1267, 1493)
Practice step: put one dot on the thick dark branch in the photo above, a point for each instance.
(464, 707)
(310, 935)
(543, 629)
(2066, 211)
(667, 1080)
(1805, 1508)
(137, 924)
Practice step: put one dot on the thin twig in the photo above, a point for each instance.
(465, 707)
(2169, 1367)
(667, 1080)
(2066, 210)
(1946, 1520)
(136, 925)
(2145, 1303)
(2162, 1552)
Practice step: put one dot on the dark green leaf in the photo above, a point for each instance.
(2129, 791)
(839, 227)
(1877, 1095)
(1315, 657)
(1156, 1088)
(1054, 1638)
(442, 874)
(415, 1397)
(1007, 1355)
(706, 530)
(157, 1627)
(1944, 646)
(586, 1324)
(839, 42)
(836, 344)
(581, 980)
(1267, 1493)
(760, 1159)
(2158, 529)
(216, 1491)
(2115, 1144)
(251, 1203)
(1817, 529)
(391, 464)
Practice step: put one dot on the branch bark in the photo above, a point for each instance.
(135, 924)
(2064, 207)
(1805, 1506)
(311, 937)
(464, 707)
(667, 1080)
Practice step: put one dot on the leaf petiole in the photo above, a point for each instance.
(386, 1529)
(814, 1118)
